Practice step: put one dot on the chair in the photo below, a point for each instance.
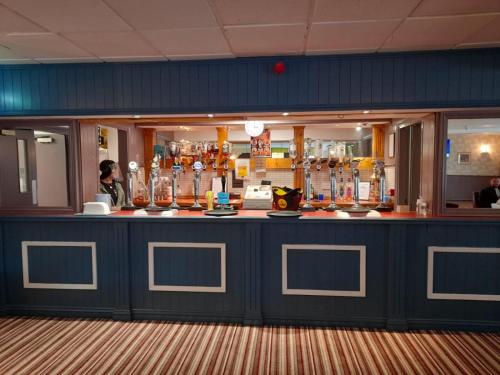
(475, 199)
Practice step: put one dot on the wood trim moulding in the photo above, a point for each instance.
(25, 265)
(440, 170)
(186, 288)
(431, 250)
(324, 292)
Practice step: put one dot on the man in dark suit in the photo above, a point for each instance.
(491, 194)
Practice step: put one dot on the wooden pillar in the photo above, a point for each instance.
(378, 142)
(298, 175)
(222, 135)
(149, 144)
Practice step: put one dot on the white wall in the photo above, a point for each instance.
(112, 152)
(51, 168)
(210, 134)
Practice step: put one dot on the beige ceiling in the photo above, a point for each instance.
(54, 31)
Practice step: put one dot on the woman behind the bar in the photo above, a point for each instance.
(110, 177)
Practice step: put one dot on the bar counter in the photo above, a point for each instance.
(397, 271)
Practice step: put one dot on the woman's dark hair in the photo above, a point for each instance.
(106, 168)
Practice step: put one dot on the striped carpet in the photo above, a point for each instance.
(85, 346)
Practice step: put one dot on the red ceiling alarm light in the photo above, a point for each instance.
(279, 68)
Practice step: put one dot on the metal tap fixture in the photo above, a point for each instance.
(381, 173)
(153, 175)
(133, 168)
(174, 151)
(332, 162)
(197, 168)
(308, 154)
(355, 175)
(318, 153)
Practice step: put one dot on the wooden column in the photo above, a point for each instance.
(149, 143)
(89, 149)
(298, 137)
(378, 141)
(222, 135)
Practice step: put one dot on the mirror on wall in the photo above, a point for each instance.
(472, 164)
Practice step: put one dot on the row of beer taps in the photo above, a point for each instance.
(340, 155)
(198, 155)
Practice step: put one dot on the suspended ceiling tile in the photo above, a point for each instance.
(188, 41)
(487, 34)
(455, 7)
(342, 51)
(353, 10)
(17, 61)
(69, 15)
(133, 58)
(164, 14)
(69, 60)
(7, 53)
(266, 40)
(261, 12)
(479, 45)
(115, 43)
(45, 45)
(344, 36)
(201, 57)
(10, 22)
(434, 32)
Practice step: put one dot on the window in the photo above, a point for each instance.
(471, 153)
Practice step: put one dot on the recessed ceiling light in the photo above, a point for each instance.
(285, 113)
(358, 128)
(366, 111)
(137, 116)
(211, 115)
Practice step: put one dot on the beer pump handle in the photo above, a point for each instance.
(223, 181)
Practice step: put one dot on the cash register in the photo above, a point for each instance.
(258, 197)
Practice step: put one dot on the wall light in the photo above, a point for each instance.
(484, 149)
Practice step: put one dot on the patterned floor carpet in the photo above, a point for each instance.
(85, 346)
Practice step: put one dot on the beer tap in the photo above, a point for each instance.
(174, 153)
(133, 169)
(382, 207)
(197, 168)
(153, 175)
(332, 162)
(307, 174)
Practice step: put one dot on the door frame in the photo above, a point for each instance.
(71, 129)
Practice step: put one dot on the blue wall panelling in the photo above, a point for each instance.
(435, 79)
(396, 271)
